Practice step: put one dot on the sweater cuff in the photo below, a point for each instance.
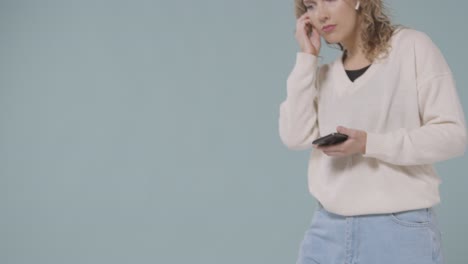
(306, 60)
(303, 57)
(373, 145)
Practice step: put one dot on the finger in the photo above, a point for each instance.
(302, 22)
(304, 18)
(304, 15)
(335, 154)
(303, 28)
(315, 37)
(331, 148)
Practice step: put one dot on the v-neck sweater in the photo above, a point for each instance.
(408, 105)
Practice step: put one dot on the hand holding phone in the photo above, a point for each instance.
(330, 139)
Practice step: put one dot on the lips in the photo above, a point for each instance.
(328, 28)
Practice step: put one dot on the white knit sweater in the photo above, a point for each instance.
(409, 107)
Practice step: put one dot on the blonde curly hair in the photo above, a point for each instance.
(376, 27)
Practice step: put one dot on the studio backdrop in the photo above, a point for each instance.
(147, 131)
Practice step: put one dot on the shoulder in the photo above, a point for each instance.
(416, 38)
(425, 53)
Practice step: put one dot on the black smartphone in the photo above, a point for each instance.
(330, 139)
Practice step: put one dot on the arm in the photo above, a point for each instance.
(443, 133)
(298, 113)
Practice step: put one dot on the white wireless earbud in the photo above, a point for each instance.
(357, 5)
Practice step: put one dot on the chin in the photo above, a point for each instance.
(331, 41)
(332, 38)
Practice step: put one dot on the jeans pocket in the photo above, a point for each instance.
(412, 218)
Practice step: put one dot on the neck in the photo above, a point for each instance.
(354, 56)
(353, 45)
(354, 49)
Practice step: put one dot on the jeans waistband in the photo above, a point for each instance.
(427, 210)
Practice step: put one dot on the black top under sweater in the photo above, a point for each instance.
(354, 74)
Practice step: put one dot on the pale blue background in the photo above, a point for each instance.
(147, 131)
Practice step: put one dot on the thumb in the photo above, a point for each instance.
(342, 130)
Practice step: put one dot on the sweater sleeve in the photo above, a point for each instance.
(298, 112)
(442, 134)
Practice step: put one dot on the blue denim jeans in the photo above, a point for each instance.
(407, 237)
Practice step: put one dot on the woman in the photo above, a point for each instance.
(393, 94)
